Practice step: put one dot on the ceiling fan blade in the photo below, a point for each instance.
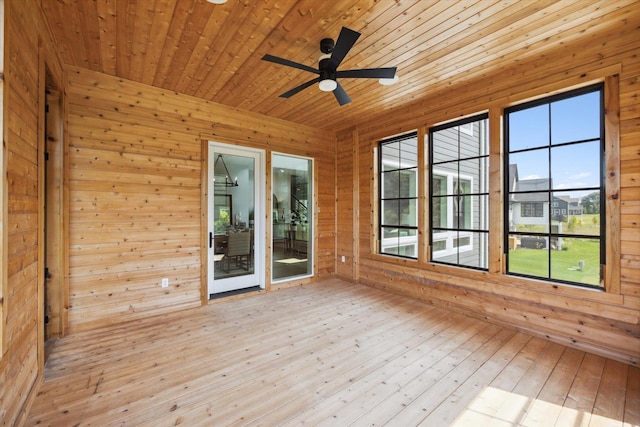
(289, 63)
(290, 93)
(341, 95)
(368, 73)
(346, 40)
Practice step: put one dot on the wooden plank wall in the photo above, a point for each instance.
(134, 189)
(344, 221)
(28, 49)
(607, 323)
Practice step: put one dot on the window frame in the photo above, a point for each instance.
(401, 241)
(550, 235)
(454, 232)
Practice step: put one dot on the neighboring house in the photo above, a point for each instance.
(559, 208)
(529, 207)
(572, 205)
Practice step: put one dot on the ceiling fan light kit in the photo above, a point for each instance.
(388, 82)
(333, 54)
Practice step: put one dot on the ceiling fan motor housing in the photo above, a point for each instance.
(327, 69)
(327, 45)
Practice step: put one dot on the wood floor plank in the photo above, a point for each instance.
(460, 399)
(632, 403)
(486, 404)
(516, 405)
(609, 406)
(329, 353)
(547, 406)
(582, 395)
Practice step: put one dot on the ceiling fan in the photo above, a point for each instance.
(333, 54)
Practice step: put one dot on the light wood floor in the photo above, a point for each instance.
(332, 354)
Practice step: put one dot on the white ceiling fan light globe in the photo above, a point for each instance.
(387, 82)
(328, 85)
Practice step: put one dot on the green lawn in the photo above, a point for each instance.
(564, 263)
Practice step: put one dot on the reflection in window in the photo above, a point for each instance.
(398, 224)
(459, 206)
(553, 209)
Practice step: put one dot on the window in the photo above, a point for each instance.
(459, 195)
(554, 206)
(398, 195)
(529, 209)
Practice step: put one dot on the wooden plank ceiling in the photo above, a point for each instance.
(214, 51)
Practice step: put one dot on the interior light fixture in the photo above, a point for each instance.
(217, 1)
(227, 181)
(328, 85)
(387, 82)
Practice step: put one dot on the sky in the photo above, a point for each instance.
(572, 166)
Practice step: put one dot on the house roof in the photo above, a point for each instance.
(532, 190)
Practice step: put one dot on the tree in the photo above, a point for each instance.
(591, 203)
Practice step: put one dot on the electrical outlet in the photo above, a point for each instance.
(165, 282)
(343, 259)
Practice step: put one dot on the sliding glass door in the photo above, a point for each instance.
(292, 214)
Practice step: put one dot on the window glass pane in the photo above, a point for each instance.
(476, 247)
(408, 183)
(390, 212)
(576, 260)
(391, 184)
(473, 145)
(442, 249)
(568, 213)
(399, 241)
(439, 212)
(408, 153)
(576, 118)
(439, 185)
(478, 212)
(445, 170)
(529, 255)
(408, 212)
(527, 166)
(529, 128)
(477, 172)
(576, 165)
(444, 145)
(529, 213)
(390, 156)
